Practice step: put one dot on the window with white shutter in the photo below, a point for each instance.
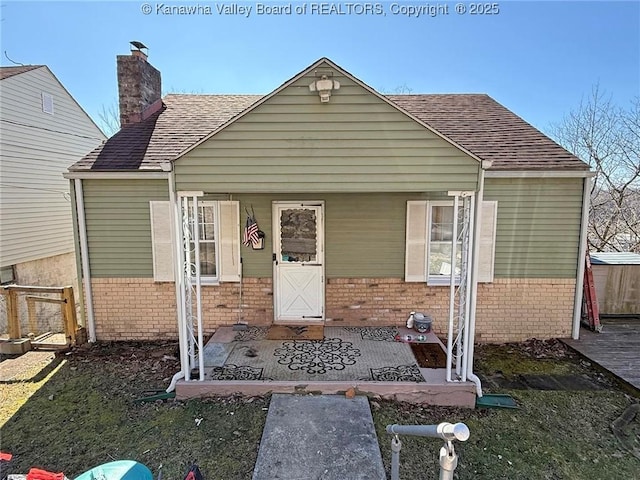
(415, 267)
(229, 243)
(161, 241)
(428, 241)
(218, 242)
(487, 249)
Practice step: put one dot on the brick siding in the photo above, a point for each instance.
(508, 310)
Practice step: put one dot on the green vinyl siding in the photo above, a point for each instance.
(537, 230)
(538, 226)
(119, 225)
(364, 233)
(355, 143)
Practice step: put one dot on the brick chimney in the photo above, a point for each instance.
(139, 86)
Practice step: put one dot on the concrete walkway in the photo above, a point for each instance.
(328, 437)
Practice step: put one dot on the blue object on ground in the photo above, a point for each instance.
(119, 470)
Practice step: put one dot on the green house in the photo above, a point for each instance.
(366, 207)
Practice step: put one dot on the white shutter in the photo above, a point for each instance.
(487, 241)
(161, 241)
(229, 241)
(415, 262)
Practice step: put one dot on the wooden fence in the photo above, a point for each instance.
(66, 302)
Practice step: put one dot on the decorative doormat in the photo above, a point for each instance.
(342, 354)
(429, 355)
(295, 332)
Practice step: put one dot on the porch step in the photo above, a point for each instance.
(319, 436)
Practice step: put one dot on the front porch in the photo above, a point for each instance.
(428, 262)
(367, 359)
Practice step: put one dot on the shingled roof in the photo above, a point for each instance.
(183, 121)
(475, 122)
(490, 131)
(6, 72)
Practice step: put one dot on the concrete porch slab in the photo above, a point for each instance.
(319, 436)
(368, 359)
(215, 353)
(457, 394)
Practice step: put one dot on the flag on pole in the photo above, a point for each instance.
(250, 232)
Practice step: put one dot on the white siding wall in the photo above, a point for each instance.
(36, 148)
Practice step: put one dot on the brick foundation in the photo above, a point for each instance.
(141, 309)
(509, 310)
(513, 310)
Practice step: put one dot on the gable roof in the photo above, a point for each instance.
(476, 124)
(6, 72)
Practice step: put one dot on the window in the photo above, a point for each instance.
(440, 236)
(207, 226)
(7, 275)
(429, 232)
(218, 240)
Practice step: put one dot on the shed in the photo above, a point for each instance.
(617, 280)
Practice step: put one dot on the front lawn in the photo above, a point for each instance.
(81, 413)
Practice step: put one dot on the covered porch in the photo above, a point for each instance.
(254, 364)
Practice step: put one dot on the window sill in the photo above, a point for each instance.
(441, 281)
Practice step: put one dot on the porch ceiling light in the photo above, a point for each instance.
(324, 86)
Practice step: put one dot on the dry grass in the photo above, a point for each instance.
(80, 412)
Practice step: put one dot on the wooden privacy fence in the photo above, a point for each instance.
(66, 302)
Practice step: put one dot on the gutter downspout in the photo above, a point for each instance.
(84, 255)
(582, 252)
(177, 272)
(474, 280)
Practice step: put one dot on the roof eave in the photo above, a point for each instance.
(147, 174)
(539, 173)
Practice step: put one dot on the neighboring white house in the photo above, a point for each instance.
(43, 131)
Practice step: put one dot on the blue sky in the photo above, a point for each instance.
(537, 58)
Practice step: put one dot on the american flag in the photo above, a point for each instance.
(250, 232)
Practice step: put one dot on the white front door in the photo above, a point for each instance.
(298, 262)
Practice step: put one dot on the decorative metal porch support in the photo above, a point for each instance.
(190, 284)
(460, 294)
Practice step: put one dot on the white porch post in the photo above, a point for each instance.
(452, 285)
(196, 235)
(190, 282)
(468, 252)
(460, 295)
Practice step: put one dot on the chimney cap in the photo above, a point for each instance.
(138, 45)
